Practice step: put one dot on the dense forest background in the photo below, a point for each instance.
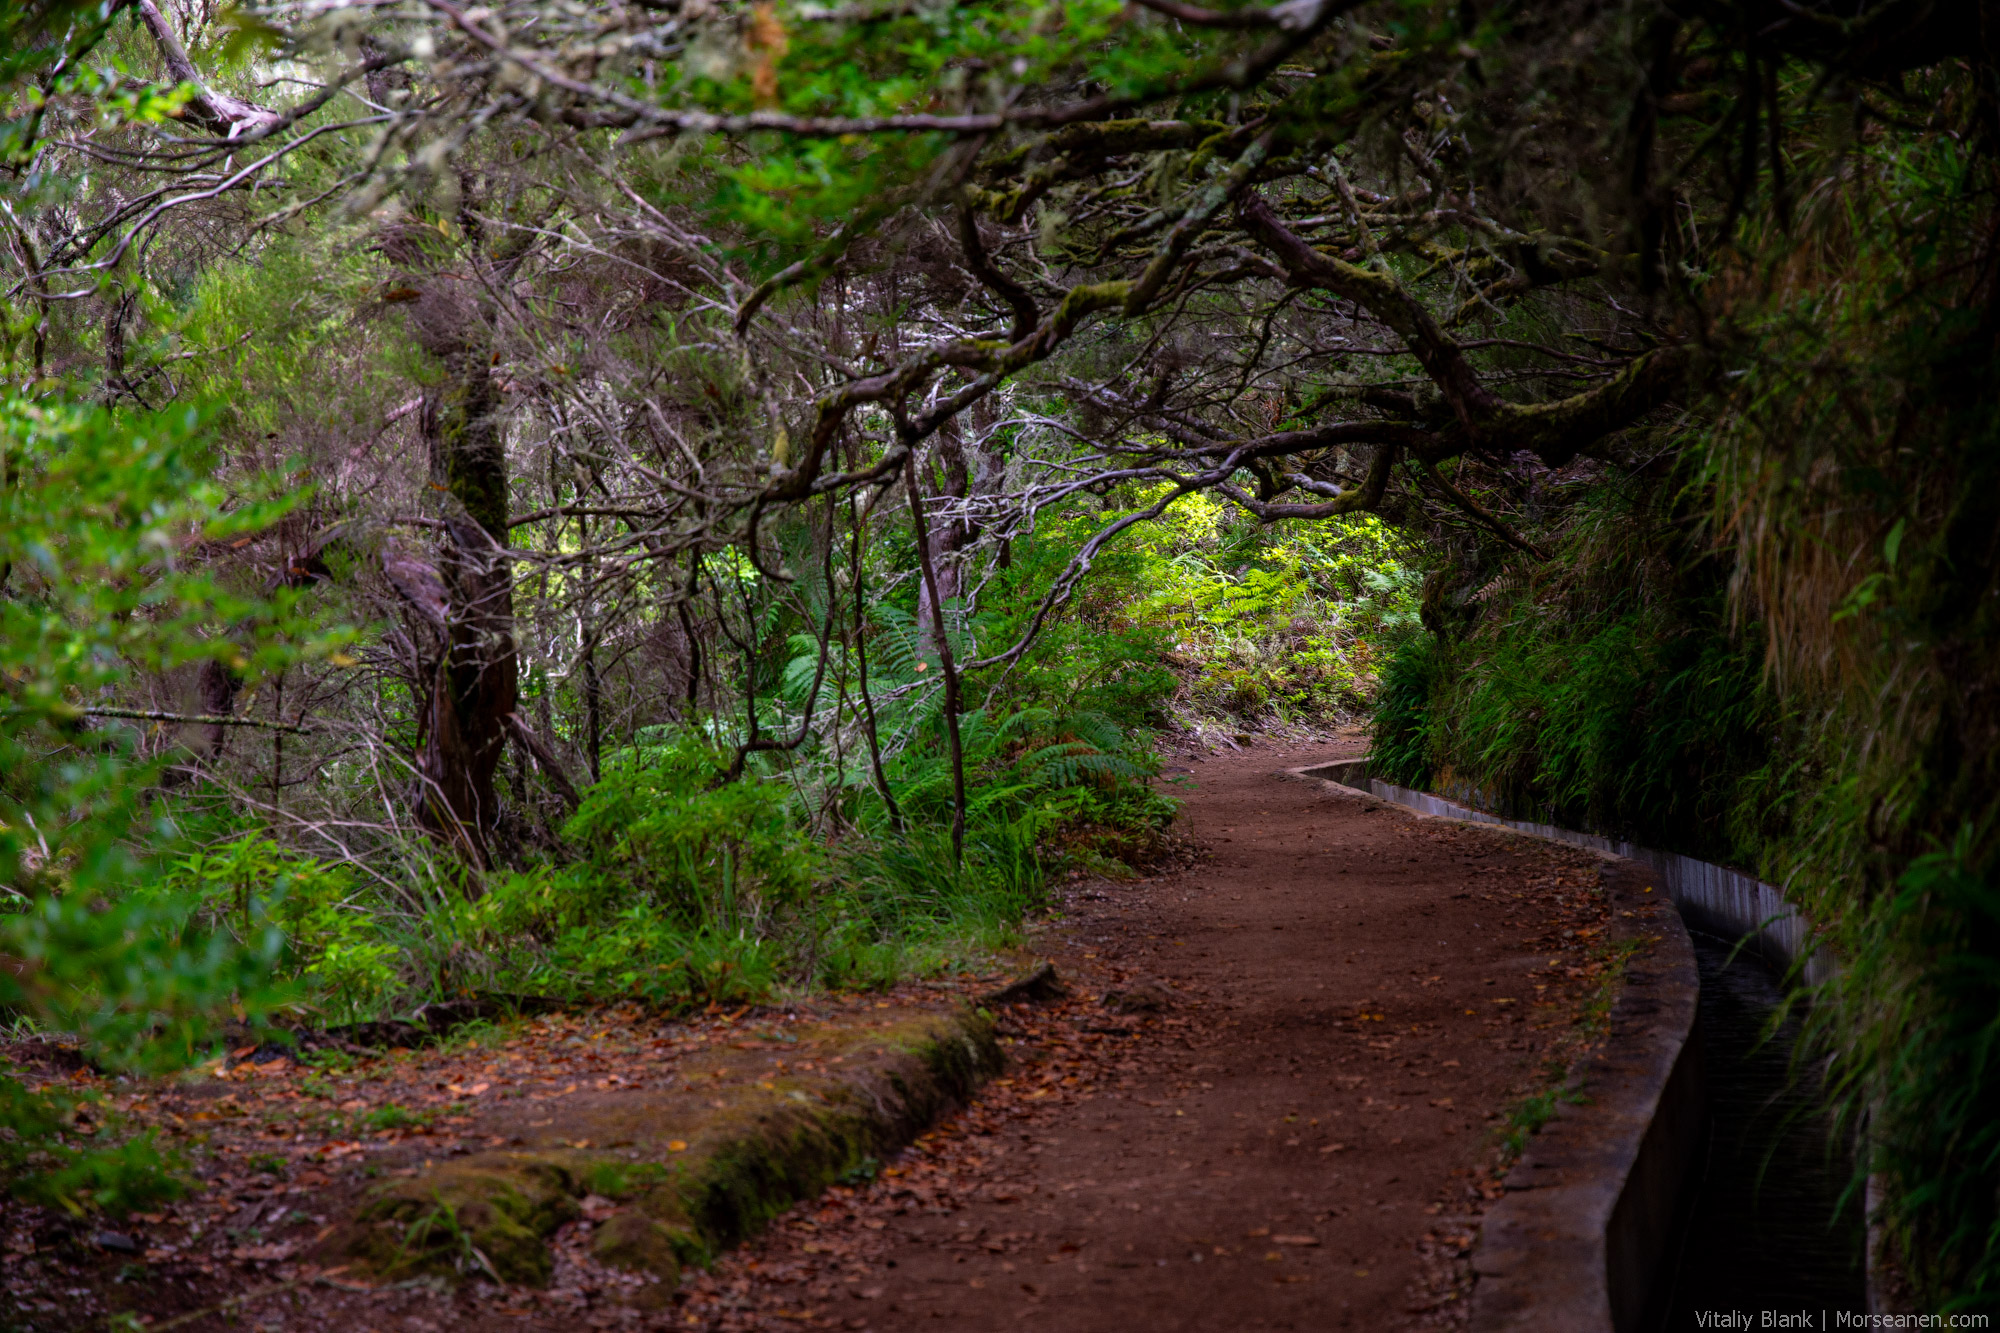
(681, 500)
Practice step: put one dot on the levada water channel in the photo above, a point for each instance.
(1774, 1221)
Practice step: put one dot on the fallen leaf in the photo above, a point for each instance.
(1295, 1240)
(264, 1253)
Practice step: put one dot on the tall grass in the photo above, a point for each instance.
(1614, 698)
(1857, 473)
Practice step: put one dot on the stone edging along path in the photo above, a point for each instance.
(1582, 1239)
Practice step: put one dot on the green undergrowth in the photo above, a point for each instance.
(98, 943)
(1881, 544)
(1605, 691)
(670, 886)
(1780, 654)
(680, 892)
(1235, 622)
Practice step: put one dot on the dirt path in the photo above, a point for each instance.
(1296, 1141)
(1270, 1101)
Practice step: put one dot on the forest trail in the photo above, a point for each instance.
(1261, 1155)
(1270, 1100)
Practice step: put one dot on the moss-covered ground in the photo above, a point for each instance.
(673, 1138)
(680, 1171)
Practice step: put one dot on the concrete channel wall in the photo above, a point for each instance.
(1583, 1240)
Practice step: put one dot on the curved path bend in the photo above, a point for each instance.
(1298, 1140)
(1270, 1100)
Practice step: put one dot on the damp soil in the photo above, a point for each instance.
(1302, 1140)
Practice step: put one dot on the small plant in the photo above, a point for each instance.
(391, 1115)
(619, 1180)
(330, 1059)
(862, 1172)
(270, 1164)
(478, 1033)
(855, 963)
(1526, 1118)
(439, 1234)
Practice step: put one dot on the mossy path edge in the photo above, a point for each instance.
(670, 1178)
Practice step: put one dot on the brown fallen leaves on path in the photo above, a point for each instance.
(1284, 1117)
(1347, 1003)
(282, 1151)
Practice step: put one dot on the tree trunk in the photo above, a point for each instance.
(473, 686)
(468, 596)
(941, 541)
(860, 650)
(473, 693)
(970, 469)
(217, 687)
(945, 664)
(593, 704)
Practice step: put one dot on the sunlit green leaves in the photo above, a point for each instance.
(934, 59)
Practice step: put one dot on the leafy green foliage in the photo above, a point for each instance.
(1858, 471)
(1611, 696)
(1204, 613)
(1834, 727)
(95, 511)
(331, 942)
(686, 891)
(1400, 752)
(660, 827)
(966, 58)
